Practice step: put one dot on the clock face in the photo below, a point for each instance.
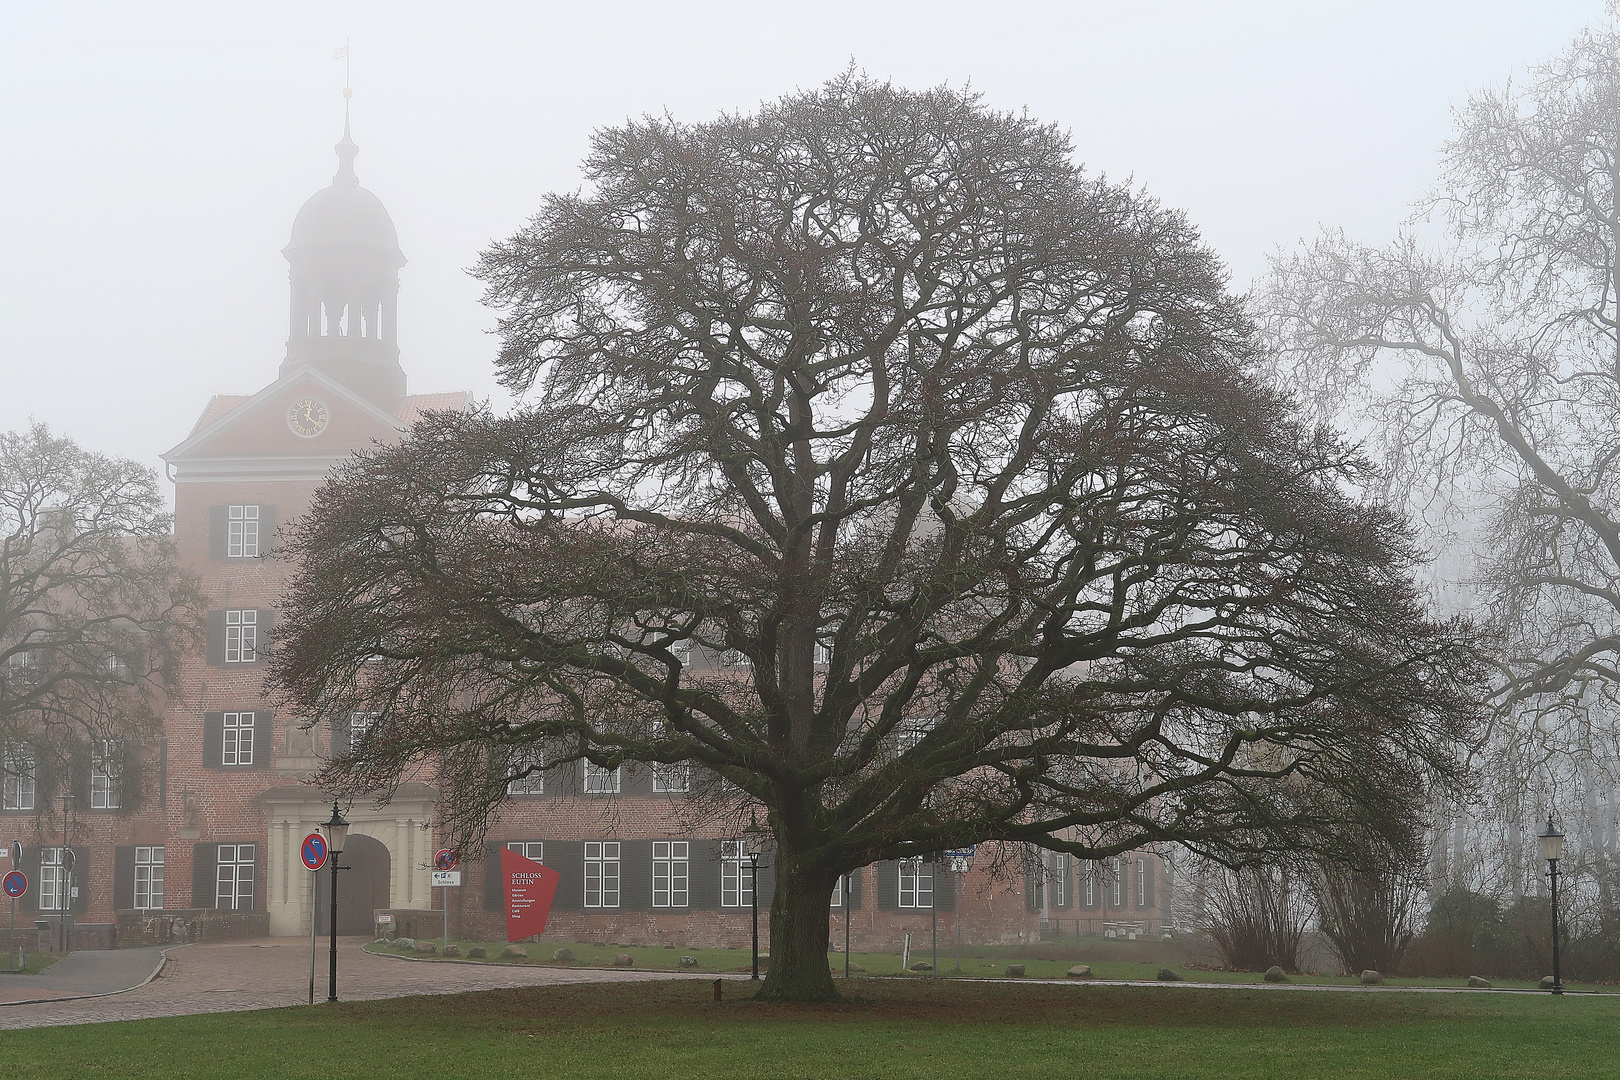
(307, 417)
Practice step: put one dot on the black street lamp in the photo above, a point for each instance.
(1552, 849)
(337, 831)
(753, 895)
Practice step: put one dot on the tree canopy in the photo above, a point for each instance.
(908, 482)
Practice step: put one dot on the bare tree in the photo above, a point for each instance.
(1255, 916)
(92, 607)
(1368, 915)
(956, 454)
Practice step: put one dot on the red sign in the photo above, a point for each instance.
(444, 859)
(530, 888)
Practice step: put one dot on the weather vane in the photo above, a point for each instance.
(342, 53)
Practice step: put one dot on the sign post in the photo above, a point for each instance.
(314, 853)
(15, 884)
(959, 860)
(446, 877)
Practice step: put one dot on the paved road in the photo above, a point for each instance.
(266, 974)
(81, 973)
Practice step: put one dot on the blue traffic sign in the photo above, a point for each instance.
(314, 851)
(962, 853)
(444, 859)
(15, 884)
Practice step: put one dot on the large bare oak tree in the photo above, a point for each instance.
(950, 452)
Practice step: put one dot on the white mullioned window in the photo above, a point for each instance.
(234, 877)
(242, 539)
(529, 849)
(736, 875)
(19, 780)
(1117, 879)
(671, 872)
(838, 892)
(149, 878)
(916, 883)
(238, 742)
(602, 781)
(53, 883)
(601, 873)
(535, 782)
(1060, 880)
(1141, 883)
(106, 779)
(675, 777)
(242, 636)
(1091, 885)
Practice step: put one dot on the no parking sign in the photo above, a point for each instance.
(15, 884)
(314, 851)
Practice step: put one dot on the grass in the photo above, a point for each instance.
(1041, 961)
(893, 1028)
(35, 962)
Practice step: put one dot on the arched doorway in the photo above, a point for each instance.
(362, 888)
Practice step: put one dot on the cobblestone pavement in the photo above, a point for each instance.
(268, 974)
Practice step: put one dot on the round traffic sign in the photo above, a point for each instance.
(15, 884)
(444, 859)
(314, 851)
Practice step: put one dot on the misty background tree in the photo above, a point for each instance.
(93, 612)
(910, 485)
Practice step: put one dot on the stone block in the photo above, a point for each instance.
(922, 965)
(477, 952)
(452, 949)
(514, 952)
(688, 961)
(1275, 974)
(1079, 971)
(562, 956)
(1477, 983)
(1371, 978)
(426, 948)
(624, 959)
(1168, 975)
(1013, 971)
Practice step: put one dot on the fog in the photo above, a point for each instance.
(155, 153)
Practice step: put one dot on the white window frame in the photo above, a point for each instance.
(602, 876)
(21, 781)
(236, 738)
(106, 781)
(838, 892)
(672, 872)
(736, 885)
(532, 784)
(1091, 885)
(916, 884)
(242, 532)
(1118, 875)
(1060, 879)
(534, 850)
(672, 778)
(242, 636)
(149, 878)
(602, 781)
(53, 881)
(235, 877)
(1141, 883)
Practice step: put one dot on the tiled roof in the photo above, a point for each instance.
(418, 404)
(218, 406)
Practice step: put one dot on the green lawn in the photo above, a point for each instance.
(36, 962)
(894, 1028)
(1048, 961)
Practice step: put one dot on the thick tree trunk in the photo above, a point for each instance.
(799, 926)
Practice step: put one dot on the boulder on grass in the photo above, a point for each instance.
(1013, 971)
(688, 961)
(427, 948)
(1371, 978)
(452, 949)
(1547, 982)
(1079, 971)
(514, 952)
(404, 943)
(1477, 983)
(1167, 975)
(624, 959)
(1275, 974)
(477, 952)
(853, 966)
(922, 965)
(563, 955)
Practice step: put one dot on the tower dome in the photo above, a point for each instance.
(344, 262)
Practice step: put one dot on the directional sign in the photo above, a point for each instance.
(16, 852)
(443, 879)
(444, 859)
(961, 853)
(530, 888)
(15, 884)
(314, 851)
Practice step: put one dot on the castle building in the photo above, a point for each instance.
(207, 844)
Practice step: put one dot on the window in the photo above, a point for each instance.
(106, 775)
(600, 781)
(736, 875)
(916, 883)
(238, 739)
(242, 637)
(1091, 885)
(234, 875)
(53, 883)
(19, 782)
(676, 777)
(838, 892)
(1117, 874)
(1141, 883)
(242, 536)
(529, 849)
(602, 873)
(1060, 880)
(670, 867)
(535, 782)
(149, 877)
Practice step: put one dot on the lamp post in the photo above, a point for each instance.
(1552, 849)
(337, 831)
(65, 884)
(753, 896)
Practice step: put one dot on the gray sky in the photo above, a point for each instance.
(154, 154)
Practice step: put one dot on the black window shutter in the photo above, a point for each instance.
(267, 627)
(214, 740)
(258, 876)
(1032, 886)
(261, 738)
(494, 880)
(703, 875)
(218, 532)
(1147, 878)
(267, 529)
(855, 879)
(30, 867)
(49, 782)
(888, 885)
(79, 775)
(123, 878)
(81, 878)
(204, 875)
(215, 640)
(944, 886)
(635, 778)
(567, 857)
(635, 875)
(131, 774)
